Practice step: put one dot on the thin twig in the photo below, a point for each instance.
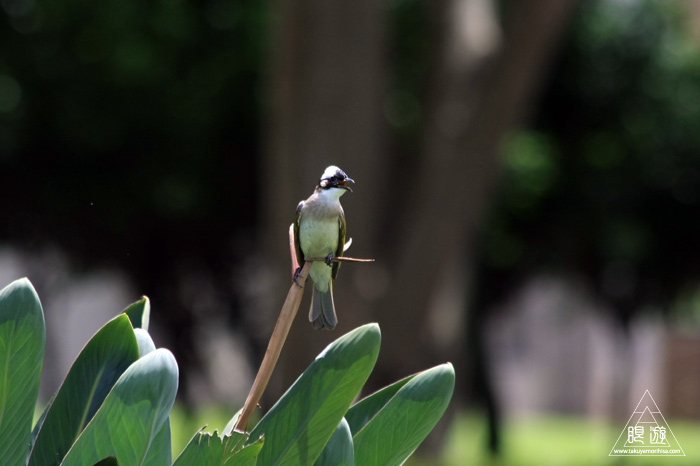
(339, 259)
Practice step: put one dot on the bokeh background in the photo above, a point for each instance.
(528, 180)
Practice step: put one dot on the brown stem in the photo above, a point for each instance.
(279, 335)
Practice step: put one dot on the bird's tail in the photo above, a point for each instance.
(322, 313)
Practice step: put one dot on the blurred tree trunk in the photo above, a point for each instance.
(485, 80)
(417, 219)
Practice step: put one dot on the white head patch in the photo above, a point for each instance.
(330, 171)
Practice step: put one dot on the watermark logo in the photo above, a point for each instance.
(647, 433)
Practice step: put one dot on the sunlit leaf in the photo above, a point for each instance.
(131, 415)
(364, 410)
(207, 449)
(145, 342)
(397, 429)
(139, 313)
(103, 360)
(300, 424)
(22, 343)
(160, 452)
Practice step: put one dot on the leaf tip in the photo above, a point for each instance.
(371, 330)
(19, 284)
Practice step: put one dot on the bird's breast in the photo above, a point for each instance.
(318, 237)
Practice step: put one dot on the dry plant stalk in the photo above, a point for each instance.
(274, 348)
(279, 334)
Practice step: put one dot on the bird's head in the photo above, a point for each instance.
(335, 178)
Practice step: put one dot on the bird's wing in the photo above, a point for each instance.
(297, 241)
(341, 243)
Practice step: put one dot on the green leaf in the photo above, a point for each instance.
(100, 364)
(361, 412)
(40, 422)
(211, 450)
(145, 342)
(228, 430)
(204, 449)
(22, 344)
(131, 415)
(339, 450)
(248, 455)
(109, 461)
(299, 425)
(139, 313)
(160, 452)
(397, 429)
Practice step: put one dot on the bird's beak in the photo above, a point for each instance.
(345, 182)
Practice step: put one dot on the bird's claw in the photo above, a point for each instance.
(329, 260)
(295, 277)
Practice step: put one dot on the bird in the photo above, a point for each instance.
(319, 231)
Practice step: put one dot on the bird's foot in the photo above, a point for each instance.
(295, 277)
(329, 260)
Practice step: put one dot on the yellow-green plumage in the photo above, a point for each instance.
(319, 231)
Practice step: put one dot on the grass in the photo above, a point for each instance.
(541, 441)
(554, 440)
